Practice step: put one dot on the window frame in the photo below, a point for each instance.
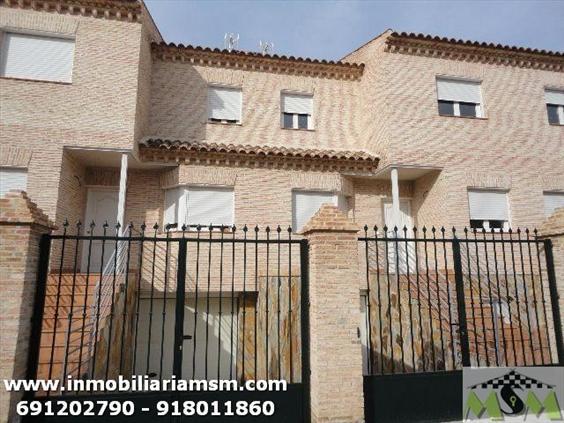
(295, 116)
(39, 34)
(211, 120)
(485, 225)
(479, 107)
(559, 114)
(193, 227)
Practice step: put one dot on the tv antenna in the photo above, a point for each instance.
(231, 41)
(266, 47)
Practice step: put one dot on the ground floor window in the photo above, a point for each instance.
(306, 203)
(489, 209)
(552, 201)
(199, 206)
(12, 178)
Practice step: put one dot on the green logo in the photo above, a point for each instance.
(512, 394)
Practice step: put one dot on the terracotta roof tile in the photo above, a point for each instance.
(427, 37)
(258, 150)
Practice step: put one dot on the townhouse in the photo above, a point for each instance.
(102, 121)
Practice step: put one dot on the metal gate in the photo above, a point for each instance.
(197, 304)
(438, 300)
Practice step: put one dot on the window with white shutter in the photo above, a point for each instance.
(297, 111)
(37, 57)
(306, 203)
(12, 178)
(552, 201)
(224, 104)
(555, 106)
(203, 206)
(457, 97)
(488, 209)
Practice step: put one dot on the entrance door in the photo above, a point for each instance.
(404, 258)
(101, 207)
(213, 343)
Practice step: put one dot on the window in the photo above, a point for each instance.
(488, 209)
(12, 178)
(297, 111)
(199, 206)
(555, 106)
(306, 203)
(459, 98)
(224, 104)
(37, 57)
(552, 201)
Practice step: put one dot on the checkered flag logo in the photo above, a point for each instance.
(513, 379)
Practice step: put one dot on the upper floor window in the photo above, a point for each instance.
(224, 104)
(552, 201)
(297, 111)
(199, 206)
(12, 178)
(555, 106)
(459, 98)
(489, 209)
(37, 57)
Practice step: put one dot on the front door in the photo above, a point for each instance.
(398, 255)
(101, 207)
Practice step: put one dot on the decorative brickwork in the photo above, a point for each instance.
(21, 227)
(336, 361)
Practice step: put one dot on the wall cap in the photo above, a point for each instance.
(330, 219)
(17, 208)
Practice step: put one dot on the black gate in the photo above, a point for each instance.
(156, 307)
(436, 301)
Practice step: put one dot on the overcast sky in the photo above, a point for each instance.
(330, 29)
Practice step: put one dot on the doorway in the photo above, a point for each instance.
(101, 207)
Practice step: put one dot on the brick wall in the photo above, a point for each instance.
(97, 109)
(21, 226)
(513, 147)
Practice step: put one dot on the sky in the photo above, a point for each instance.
(330, 29)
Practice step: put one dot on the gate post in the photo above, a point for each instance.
(22, 226)
(336, 382)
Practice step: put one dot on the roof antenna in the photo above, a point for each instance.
(266, 47)
(231, 41)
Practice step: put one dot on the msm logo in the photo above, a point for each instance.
(513, 396)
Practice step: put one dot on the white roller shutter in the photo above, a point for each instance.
(297, 103)
(488, 205)
(224, 103)
(207, 206)
(554, 97)
(12, 179)
(37, 57)
(456, 90)
(552, 201)
(306, 204)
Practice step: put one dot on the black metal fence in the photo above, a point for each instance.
(437, 300)
(191, 302)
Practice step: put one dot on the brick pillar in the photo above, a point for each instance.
(553, 228)
(21, 227)
(335, 350)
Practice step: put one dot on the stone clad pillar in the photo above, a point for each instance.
(553, 229)
(335, 349)
(21, 226)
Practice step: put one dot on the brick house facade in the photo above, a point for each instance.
(128, 87)
(133, 124)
